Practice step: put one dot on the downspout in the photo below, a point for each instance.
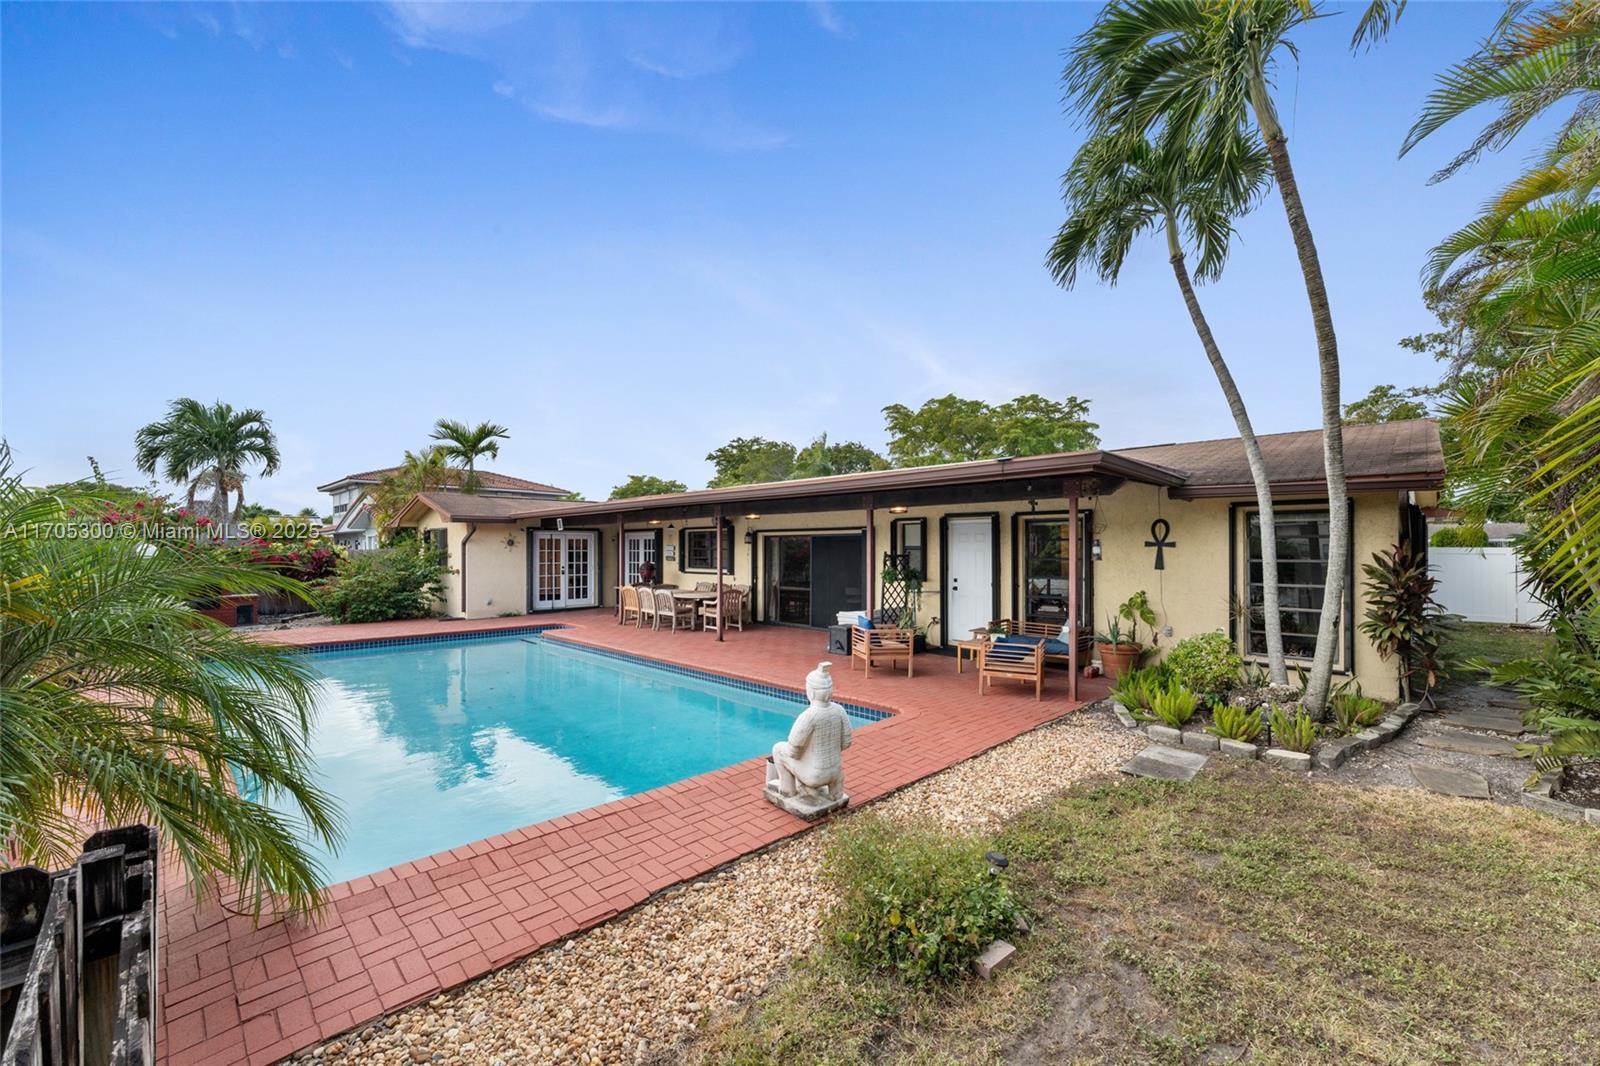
(472, 527)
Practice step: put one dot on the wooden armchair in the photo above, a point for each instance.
(732, 602)
(881, 644)
(647, 607)
(671, 611)
(1020, 662)
(1047, 631)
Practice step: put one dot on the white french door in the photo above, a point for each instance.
(564, 567)
(970, 597)
(638, 549)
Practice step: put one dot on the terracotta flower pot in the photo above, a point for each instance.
(1116, 659)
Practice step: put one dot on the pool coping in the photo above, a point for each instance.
(235, 992)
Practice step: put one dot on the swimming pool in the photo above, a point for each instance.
(434, 745)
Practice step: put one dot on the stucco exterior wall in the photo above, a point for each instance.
(1190, 595)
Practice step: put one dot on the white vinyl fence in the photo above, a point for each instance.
(1483, 585)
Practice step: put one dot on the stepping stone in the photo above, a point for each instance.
(1515, 705)
(1486, 720)
(1469, 743)
(1451, 781)
(1165, 764)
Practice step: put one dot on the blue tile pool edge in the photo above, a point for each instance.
(787, 695)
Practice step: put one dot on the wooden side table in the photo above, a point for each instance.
(971, 648)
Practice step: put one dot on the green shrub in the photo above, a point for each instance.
(1460, 537)
(1207, 663)
(914, 900)
(1292, 728)
(1235, 723)
(1171, 704)
(387, 584)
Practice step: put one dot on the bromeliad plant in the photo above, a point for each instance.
(1235, 723)
(1403, 620)
(1170, 704)
(1292, 727)
(1353, 712)
(121, 704)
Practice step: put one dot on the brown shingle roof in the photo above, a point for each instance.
(1389, 455)
(488, 478)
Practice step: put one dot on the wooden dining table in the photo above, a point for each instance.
(696, 597)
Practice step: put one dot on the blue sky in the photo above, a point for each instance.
(632, 233)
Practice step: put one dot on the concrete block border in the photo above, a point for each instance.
(1327, 754)
(1545, 795)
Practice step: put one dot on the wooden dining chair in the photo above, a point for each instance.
(732, 603)
(670, 611)
(628, 597)
(647, 607)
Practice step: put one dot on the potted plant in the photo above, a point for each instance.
(1119, 651)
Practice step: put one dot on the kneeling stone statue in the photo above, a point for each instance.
(805, 775)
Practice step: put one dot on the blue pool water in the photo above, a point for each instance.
(432, 746)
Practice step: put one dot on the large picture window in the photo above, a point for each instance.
(1302, 573)
(698, 549)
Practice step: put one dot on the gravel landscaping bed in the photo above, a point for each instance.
(631, 990)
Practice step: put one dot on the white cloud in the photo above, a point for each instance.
(827, 16)
(649, 72)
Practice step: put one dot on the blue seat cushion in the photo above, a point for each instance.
(1052, 646)
(863, 622)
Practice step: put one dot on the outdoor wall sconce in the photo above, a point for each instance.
(1095, 551)
(899, 509)
(749, 536)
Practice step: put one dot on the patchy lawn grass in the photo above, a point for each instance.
(1492, 641)
(1247, 916)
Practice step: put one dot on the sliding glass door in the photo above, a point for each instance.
(809, 578)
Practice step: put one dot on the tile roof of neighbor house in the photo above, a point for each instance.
(1393, 455)
(473, 507)
(1388, 455)
(488, 478)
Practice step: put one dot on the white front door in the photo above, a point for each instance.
(638, 549)
(563, 570)
(969, 600)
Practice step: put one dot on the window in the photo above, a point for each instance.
(698, 549)
(1046, 585)
(1302, 572)
(908, 537)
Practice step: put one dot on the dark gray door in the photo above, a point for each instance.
(838, 576)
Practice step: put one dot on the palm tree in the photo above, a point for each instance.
(424, 469)
(119, 703)
(1205, 67)
(196, 444)
(466, 444)
(1121, 186)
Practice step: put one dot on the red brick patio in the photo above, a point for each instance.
(234, 993)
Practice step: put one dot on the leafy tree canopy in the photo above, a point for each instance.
(646, 485)
(1386, 403)
(747, 460)
(950, 429)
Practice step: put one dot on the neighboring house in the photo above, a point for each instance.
(993, 539)
(352, 520)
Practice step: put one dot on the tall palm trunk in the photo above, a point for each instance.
(1252, 454)
(1316, 694)
(219, 505)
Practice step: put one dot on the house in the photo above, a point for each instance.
(1036, 537)
(352, 521)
